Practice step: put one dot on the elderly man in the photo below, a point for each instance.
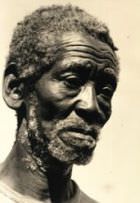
(60, 77)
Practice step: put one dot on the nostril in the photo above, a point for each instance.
(87, 105)
(90, 114)
(91, 117)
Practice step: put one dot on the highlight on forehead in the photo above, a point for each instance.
(86, 46)
(99, 55)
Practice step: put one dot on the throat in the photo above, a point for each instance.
(60, 184)
(37, 173)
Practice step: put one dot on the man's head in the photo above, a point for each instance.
(60, 76)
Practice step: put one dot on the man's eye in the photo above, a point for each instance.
(73, 82)
(107, 91)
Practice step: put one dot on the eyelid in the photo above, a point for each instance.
(109, 91)
(107, 80)
(73, 81)
(63, 75)
(110, 86)
(108, 75)
(69, 75)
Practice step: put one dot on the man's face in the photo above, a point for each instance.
(74, 98)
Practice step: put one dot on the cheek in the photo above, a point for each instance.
(51, 91)
(53, 100)
(105, 107)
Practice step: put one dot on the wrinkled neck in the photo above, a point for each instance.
(29, 175)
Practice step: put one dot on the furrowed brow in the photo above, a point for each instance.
(109, 75)
(76, 67)
(111, 72)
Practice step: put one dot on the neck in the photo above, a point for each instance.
(28, 174)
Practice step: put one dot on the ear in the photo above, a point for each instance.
(13, 88)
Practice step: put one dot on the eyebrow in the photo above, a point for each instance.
(77, 67)
(110, 75)
(110, 71)
(87, 68)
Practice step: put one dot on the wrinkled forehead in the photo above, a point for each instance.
(82, 49)
(78, 38)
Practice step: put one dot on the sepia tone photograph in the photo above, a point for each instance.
(69, 101)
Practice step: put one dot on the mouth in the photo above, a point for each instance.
(79, 137)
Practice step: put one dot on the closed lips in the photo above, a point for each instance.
(78, 138)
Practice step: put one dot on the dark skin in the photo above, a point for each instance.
(73, 104)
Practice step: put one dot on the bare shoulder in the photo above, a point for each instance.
(5, 199)
(80, 196)
(86, 199)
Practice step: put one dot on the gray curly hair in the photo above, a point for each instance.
(29, 52)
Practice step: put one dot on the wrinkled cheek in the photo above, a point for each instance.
(108, 112)
(55, 109)
(107, 115)
(105, 108)
(54, 104)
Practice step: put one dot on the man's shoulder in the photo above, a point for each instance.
(8, 195)
(86, 199)
(80, 196)
(5, 199)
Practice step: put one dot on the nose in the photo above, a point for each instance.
(87, 105)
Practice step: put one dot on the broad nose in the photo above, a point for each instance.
(87, 103)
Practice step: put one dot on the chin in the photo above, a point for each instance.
(69, 155)
(84, 159)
